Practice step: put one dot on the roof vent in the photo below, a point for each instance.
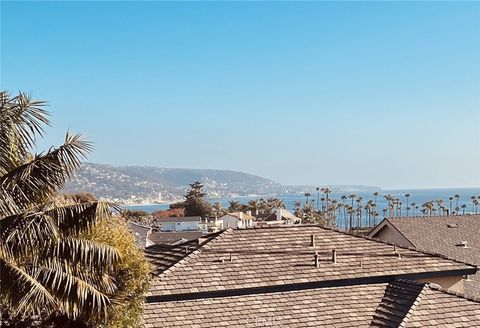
(452, 225)
(316, 259)
(462, 243)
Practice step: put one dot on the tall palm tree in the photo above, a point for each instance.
(233, 206)
(406, 197)
(218, 210)
(252, 206)
(457, 197)
(45, 265)
(307, 196)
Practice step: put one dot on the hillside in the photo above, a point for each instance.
(143, 184)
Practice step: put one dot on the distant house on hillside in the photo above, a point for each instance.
(454, 236)
(186, 223)
(280, 216)
(237, 220)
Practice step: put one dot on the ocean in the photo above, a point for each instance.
(418, 196)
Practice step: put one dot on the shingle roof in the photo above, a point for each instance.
(438, 308)
(350, 306)
(399, 303)
(171, 237)
(163, 256)
(436, 234)
(283, 256)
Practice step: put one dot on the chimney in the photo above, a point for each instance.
(279, 214)
(312, 240)
(316, 260)
(241, 215)
(334, 255)
(249, 213)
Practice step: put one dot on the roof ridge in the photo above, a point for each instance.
(402, 247)
(188, 256)
(362, 237)
(439, 288)
(433, 216)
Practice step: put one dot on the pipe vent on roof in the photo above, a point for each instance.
(452, 225)
(462, 243)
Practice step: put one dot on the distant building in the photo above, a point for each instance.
(141, 234)
(455, 236)
(186, 223)
(280, 216)
(237, 220)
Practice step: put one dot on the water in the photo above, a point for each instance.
(418, 196)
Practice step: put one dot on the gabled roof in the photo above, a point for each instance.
(286, 215)
(239, 216)
(442, 235)
(282, 258)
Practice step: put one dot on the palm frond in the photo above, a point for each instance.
(44, 175)
(21, 121)
(75, 295)
(25, 233)
(23, 291)
(77, 218)
(87, 253)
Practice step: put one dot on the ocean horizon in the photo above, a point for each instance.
(418, 196)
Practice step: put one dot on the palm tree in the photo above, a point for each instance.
(233, 206)
(218, 210)
(297, 207)
(46, 267)
(252, 206)
(457, 209)
(407, 196)
(318, 197)
(450, 205)
(307, 195)
(474, 204)
(464, 206)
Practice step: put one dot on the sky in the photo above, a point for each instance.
(374, 93)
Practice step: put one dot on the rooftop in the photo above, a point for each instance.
(240, 216)
(444, 235)
(283, 258)
(397, 303)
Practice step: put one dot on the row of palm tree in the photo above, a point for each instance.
(255, 206)
(351, 212)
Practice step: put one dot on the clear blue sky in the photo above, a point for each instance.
(375, 93)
